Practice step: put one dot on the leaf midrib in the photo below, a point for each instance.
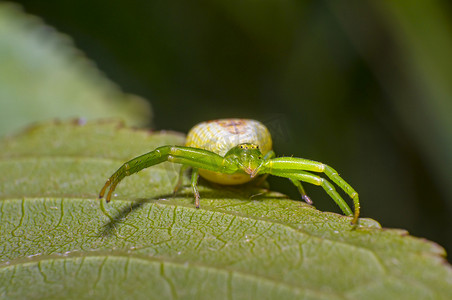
(164, 260)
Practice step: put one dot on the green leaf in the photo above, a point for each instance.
(43, 76)
(243, 243)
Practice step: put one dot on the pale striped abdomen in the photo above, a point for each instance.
(220, 136)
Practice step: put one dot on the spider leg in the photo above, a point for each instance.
(194, 185)
(334, 176)
(295, 168)
(133, 166)
(300, 188)
(271, 154)
(193, 157)
(183, 168)
(325, 184)
(261, 179)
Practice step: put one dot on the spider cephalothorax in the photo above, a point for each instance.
(246, 158)
(234, 151)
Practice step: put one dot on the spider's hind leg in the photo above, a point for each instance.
(182, 170)
(300, 188)
(194, 185)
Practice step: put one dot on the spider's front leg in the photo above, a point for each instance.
(296, 169)
(271, 154)
(187, 156)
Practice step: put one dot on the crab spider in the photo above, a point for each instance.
(234, 151)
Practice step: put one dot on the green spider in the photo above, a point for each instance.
(234, 151)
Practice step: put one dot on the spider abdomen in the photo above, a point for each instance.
(219, 136)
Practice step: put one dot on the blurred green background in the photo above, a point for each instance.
(365, 86)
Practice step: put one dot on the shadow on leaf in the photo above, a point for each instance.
(243, 192)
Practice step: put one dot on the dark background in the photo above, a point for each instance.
(364, 86)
